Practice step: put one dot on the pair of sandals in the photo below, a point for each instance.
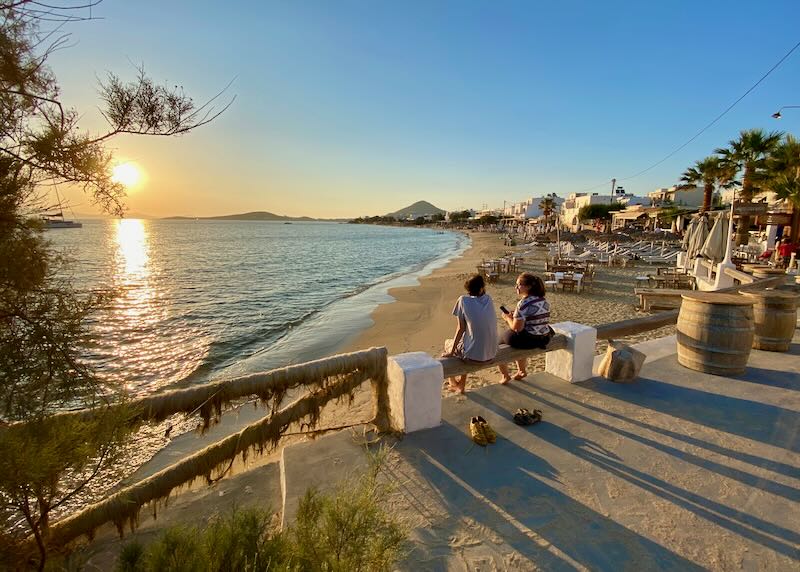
(524, 417)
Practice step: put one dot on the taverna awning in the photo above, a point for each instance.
(631, 215)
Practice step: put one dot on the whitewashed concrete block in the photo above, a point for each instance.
(700, 270)
(415, 391)
(574, 363)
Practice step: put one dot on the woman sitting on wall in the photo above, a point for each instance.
(529, 325)
(476, 330)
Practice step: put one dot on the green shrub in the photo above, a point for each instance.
(347, 531)
(343, 531)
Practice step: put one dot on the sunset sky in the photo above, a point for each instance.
(345, 108)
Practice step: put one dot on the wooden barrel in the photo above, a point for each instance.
(715, 332)
(775, 314)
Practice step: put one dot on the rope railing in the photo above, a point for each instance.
(350, 370)
(208, 398)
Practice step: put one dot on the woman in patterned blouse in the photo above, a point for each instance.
(529, 325)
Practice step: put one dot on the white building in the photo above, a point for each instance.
(576, 201)
(488, 212)
(691, 197)
(768, 197)
(529, 209)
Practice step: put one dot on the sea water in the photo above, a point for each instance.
(197, 299)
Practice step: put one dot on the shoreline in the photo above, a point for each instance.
(420, 317)
(332, 330)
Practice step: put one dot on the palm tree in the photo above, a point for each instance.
(749, 154)
(784, 178)
(711, 171)
(548, 207)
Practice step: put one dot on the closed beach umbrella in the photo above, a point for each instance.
(717, 241)
(698, 238)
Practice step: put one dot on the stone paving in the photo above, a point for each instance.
(678, 471)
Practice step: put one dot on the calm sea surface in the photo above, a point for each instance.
(202, 299)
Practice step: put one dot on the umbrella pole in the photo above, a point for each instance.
(729, 249)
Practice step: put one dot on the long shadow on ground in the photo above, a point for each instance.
(742, 476)
(514, 493)
(777, 538)
(755, 420)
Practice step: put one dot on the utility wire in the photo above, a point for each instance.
(718, 117)
(704, 129)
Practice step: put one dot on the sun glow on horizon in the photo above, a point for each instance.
(126, 174)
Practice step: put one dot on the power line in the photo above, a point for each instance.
(718, 117)
(704, 129)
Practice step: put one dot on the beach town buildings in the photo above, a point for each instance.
(472, 214)
(690, 197)
(726, 196)
(497, 213)
(529, 209)
(576, 201)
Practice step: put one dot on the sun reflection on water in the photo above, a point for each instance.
(135, 311)
(132, 249)
(151, 346)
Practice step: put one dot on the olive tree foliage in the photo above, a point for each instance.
(43, 333)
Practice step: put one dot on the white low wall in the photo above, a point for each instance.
(415, 379)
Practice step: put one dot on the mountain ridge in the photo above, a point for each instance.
(419, 208)
(255, 216)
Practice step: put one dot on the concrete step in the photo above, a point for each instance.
(321, 463)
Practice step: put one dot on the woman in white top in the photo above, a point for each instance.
(476, 332)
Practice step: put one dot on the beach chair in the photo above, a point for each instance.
(588, 280)
(568, 283)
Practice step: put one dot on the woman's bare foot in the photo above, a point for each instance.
(505, 380)
(521, 375)
(456, 385)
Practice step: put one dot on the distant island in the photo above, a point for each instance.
(258, 215)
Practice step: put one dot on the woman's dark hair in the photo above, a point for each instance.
(475, 285)
(533, 283)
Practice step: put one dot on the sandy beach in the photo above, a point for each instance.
(421, 317)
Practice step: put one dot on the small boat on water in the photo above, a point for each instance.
(57, 220)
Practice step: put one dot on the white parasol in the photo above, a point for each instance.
(716, 243)
(699, 237)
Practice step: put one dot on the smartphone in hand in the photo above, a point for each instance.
(504, 310)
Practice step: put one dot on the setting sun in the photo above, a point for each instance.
(126, 174)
